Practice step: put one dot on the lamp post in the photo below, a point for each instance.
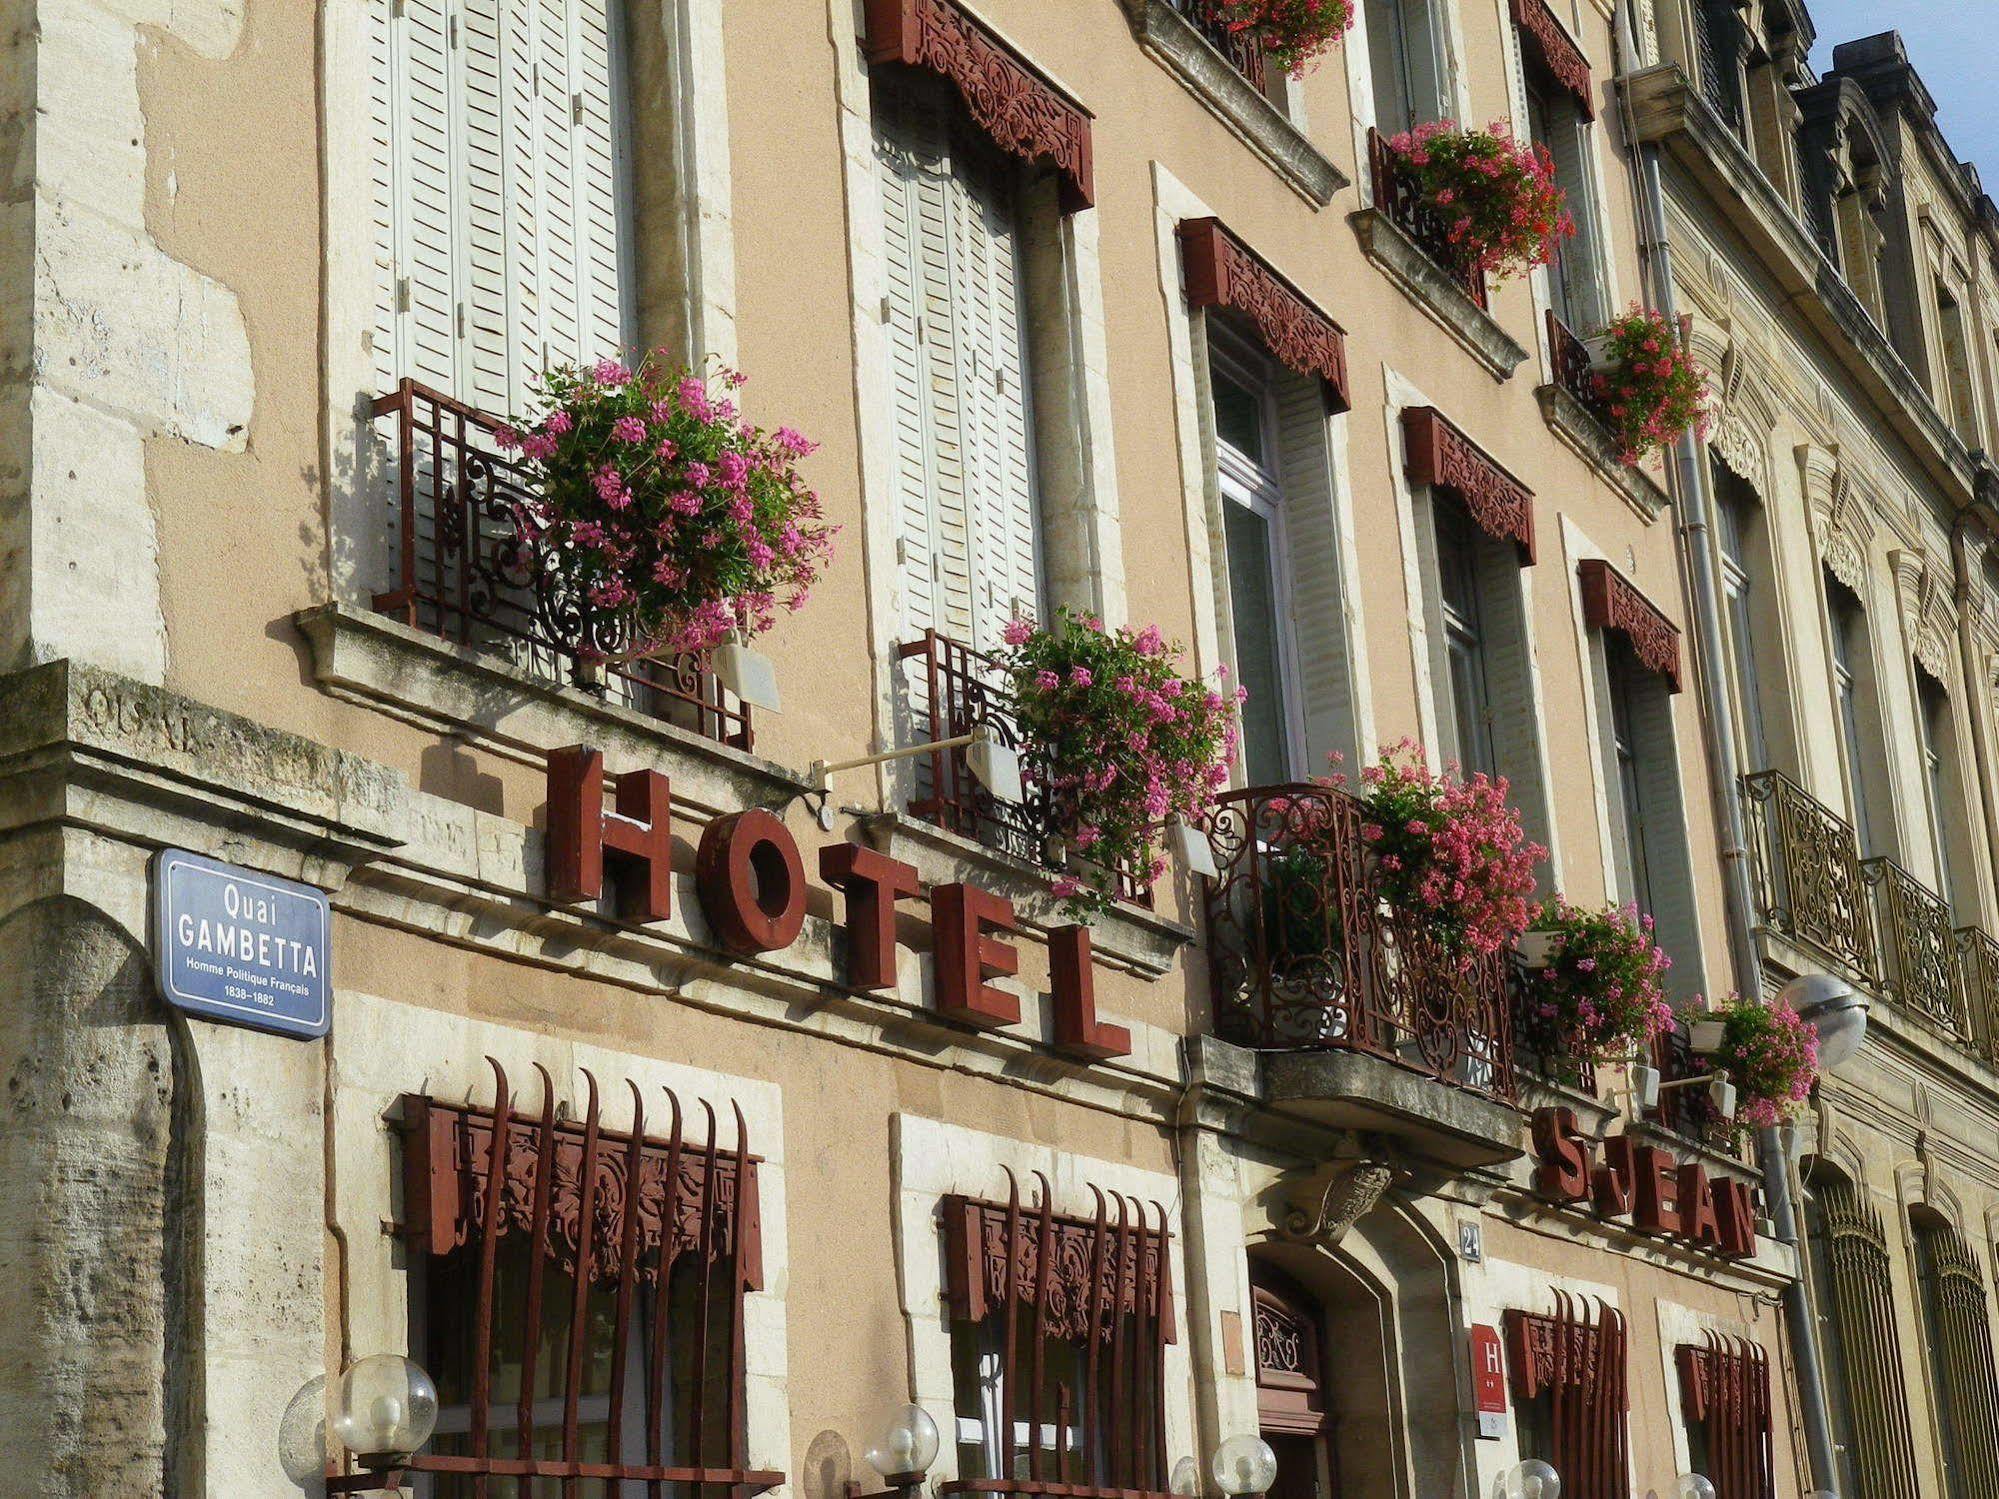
(902, 1454)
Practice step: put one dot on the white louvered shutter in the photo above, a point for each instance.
(1312, 555)
(1516, 736)
(417, 166)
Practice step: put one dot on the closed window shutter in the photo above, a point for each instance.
(1312, 555)
(1568, 143)
(417, 167)
(1669, 865)
(1516, 744)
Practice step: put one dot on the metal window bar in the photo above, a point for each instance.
(1305, 951)
(1861, 1300)
(1242, 49)
(1569, 356)
(1725, 1388)
(955, 690)
(611, 1211)
(1398, 196)
(1919, 947)
(1810, 886)
(464, 571)
(1541, 1048)
(1033, 1275)
(1580, 1365)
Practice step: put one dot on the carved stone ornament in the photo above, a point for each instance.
(1924, 588)
(1221, 271)
(1329, 1202)
(1012, 100)
(1742, 450)
(1442, 456)
(1843, 531)
(1612, 602)
(1558, 54)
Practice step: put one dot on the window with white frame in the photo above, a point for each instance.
(1737, 517)
(1407, 56)
(1557, 122)
(502, 206)
(967, 531)
(1653, 866)
(1249, 476)
(1937, 736)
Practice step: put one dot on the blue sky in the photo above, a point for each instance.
(1950, 42)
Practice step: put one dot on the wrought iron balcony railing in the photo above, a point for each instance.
(1689, 1112)
(1541, 1048)
(1242, 50)
(464, 571)
(1402, 202)
(1978, 986)
(1306, 953)
(953, 690)
(1919, 948)
(1810, 888)
(1569, 356)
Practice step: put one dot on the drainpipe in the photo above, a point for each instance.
(1705, 598)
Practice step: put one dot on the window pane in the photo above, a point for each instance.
(1259, 667)
(1238, 417)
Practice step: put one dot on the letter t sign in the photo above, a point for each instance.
(635, 840)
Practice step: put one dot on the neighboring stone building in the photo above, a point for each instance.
(1085, 305)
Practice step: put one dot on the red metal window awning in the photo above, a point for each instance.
(1442, 456)
(1579, 1365)
(1612, 601)
(1543, 35)
(1221, 271)
(1013, 101)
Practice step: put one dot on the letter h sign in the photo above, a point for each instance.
(635, 840)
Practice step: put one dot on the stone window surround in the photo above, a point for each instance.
(1082, 541)
(1679, 1324)
(932, 1160)
(384, 1049)
(356, 540)
(1276, 132)
(1213, 638)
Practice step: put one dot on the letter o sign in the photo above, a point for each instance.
(751, 882)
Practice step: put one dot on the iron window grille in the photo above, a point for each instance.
(581, 1307)
(1571, 1393)
(1725, 1396)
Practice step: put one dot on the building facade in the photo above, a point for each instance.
(683, 1111)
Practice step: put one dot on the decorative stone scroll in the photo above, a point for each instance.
(1558, 54)
(1123, 1247)
(1222, 271)
(1012, 100)
(1442, 456)
(692, 1185)
(1612, 602)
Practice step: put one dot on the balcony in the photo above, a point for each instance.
(463, 572)
(1978, 986)
(1398, 197)
(1810, 888)
(953, 690)
(1358, 1011)
(1243, 52)
(1919, 948)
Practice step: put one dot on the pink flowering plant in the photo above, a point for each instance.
(1117, 740)
(1771, 1054)
(1449, 847)
(1599, 998)
(1652, 390)
(1496, 197)
(673, 521)
(1291, 33)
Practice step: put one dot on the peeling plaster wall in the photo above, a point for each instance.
(119, 343)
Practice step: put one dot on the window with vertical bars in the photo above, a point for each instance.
(1725, 1401)
(581, 1306)
(1059, 1330)
(1571, 1392)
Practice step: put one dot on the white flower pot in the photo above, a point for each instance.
(1537, 949)
(1705, 1036)
(1600, 358)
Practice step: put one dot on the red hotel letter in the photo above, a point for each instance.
(1697, 1210)
(751, 881)
(1735, 1214)
(1563, 1174)
(1072, 980)
(873, 883)
(1613, 1182)
(1657, 1210)
(636, 840)
(966, 957)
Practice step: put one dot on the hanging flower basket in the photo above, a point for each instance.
(1291, 33)
(1652, 391)
(1597, 995)
(664, 522)
(1496, 198)
(1771, 1054)
(1118, 742)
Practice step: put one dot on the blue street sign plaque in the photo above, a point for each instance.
(240, 946)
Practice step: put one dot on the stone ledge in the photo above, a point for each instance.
(1141, 940)
(1570, 421)
(484, 699)
(1353, 1090)
(1212, 79)
(1399, 258)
